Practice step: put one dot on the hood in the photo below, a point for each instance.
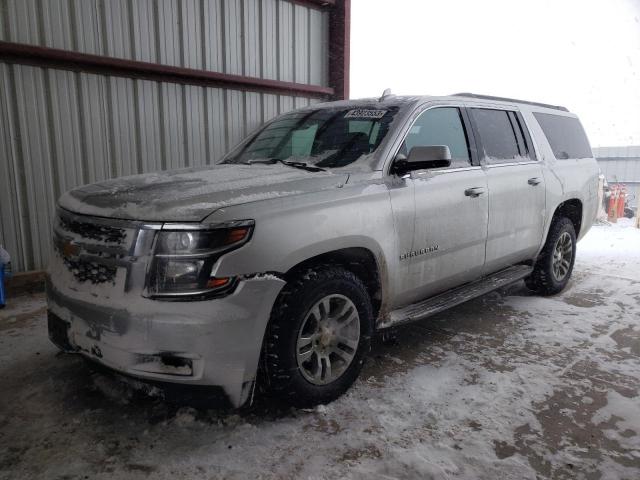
(191, 195)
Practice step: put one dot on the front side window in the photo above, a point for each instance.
(440, 126)
(325, 138)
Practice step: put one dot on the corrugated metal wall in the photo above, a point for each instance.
(60, 129)
(619, 164)
(273, 39)
(623, 170)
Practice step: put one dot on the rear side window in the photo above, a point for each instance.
(501, 135)
(565, 135)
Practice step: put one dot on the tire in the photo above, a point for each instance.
(552, 269)
(295, 318)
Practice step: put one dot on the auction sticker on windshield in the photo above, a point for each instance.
(365, 113)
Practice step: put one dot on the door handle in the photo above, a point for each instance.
(474, 192)
(534, 181)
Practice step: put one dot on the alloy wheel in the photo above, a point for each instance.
(328, 339)
(562, 256)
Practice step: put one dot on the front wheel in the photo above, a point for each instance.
(554, 265)
(318, 336)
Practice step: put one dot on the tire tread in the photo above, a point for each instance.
(541, 279)
(277, 378)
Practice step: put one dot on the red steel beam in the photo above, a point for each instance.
(339, 51)
(83, 62)
(315, 3)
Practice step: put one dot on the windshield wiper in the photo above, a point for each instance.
(302, 165)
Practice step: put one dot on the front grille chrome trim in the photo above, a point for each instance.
(93, 248)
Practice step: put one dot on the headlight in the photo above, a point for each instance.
(183, 260)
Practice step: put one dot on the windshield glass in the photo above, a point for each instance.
(325, 138)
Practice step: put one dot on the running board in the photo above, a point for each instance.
(451, 298)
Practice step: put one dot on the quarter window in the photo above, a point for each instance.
(440, 126)
(565, 135)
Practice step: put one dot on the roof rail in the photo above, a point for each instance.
(505, 99)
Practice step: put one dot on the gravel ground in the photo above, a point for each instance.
(506, 386)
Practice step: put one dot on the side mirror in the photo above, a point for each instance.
(430, 156)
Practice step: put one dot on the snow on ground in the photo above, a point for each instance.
(614, 250)
(506, 386)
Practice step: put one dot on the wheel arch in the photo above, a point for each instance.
(571, 208)
(360, 261)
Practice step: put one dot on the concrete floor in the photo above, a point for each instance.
(505, 386)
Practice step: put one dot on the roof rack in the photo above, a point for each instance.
(505, 99)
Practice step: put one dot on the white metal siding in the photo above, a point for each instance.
(621, 170)
(619, 164)
(60, 129)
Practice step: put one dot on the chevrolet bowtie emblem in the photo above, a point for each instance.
(70, 249)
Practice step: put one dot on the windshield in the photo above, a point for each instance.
(324, 138)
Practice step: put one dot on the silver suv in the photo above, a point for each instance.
(326, 225)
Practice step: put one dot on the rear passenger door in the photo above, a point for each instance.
(516, 186)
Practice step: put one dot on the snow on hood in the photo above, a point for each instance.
(190, 195)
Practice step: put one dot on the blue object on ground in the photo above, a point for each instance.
(1, 285)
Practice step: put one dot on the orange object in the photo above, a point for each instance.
(622, 195)
(613, 199)
(217, 282)
(236, 235)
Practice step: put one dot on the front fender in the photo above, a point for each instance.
(289, 232)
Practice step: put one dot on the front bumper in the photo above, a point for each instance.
(214, 342)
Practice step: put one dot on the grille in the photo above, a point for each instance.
(86, 271)
(91, 249)
(100, 233)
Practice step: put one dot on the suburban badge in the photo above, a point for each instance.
(422, 251)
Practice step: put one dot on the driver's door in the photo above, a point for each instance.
(450, 210)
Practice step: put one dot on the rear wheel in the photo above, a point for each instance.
(554, 265)
(318, 336)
